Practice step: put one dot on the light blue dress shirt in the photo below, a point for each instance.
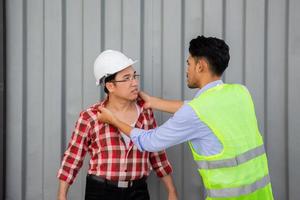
(183, 126)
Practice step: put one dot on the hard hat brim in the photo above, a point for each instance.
(130, 62)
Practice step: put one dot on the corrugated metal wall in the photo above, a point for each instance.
(51, 46)
(2, 99)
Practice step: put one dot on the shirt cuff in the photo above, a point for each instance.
(62, 177)
(135, 137)
(167, 170)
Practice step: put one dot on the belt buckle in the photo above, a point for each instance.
(123, 184)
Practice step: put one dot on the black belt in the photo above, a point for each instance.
(119, 184)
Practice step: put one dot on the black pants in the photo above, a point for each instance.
(96, 190)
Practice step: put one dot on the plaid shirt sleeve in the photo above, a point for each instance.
(77, 148)
(159, 160)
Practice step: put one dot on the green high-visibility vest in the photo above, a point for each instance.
(240, 170)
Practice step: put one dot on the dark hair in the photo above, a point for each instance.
(109, 79)
(215, 50)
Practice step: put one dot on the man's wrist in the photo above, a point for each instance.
(153, 102)
(61, 197)
(116, 122)
(172, 190)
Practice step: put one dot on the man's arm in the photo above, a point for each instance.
(183, 126)
(170, 106)
(73, 156)
(106, 116)
(62, 190)
(168, 182)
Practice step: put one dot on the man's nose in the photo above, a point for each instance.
(134, 82)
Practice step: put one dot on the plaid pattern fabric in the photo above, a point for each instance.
(109, 156)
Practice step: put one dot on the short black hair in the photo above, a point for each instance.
(109, 79)
(215, 50)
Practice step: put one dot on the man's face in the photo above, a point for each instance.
(126, 84)
(191, 72)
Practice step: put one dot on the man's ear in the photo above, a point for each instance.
(110, 86)
(199, 65)
(203, 65)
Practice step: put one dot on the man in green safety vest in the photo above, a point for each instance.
(219, 124)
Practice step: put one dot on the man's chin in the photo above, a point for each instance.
(133, 97)
(191, 86)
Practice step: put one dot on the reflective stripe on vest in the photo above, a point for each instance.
(244, 157)
(233, 192)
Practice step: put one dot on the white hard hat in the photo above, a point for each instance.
(110, 62)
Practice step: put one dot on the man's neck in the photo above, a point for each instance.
(119, 105)
(208, 80)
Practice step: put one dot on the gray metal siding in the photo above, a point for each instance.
(51, 47)
(2, 97)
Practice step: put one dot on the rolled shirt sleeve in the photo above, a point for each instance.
(160, 163)
(75, 153)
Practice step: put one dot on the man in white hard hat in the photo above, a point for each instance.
(117, 169)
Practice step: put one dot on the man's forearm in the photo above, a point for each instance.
(62, 190)
(168, 182)
(170, 106)
(170, 187)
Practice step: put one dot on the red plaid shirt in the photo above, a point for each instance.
(109, 156)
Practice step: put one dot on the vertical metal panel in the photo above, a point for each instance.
(234, 36)
(51, 47)
(213, 18)
(73, 63)
(14, 139)
(93, 31)
(131, 38)
(113, 24)
(73, 78)
(53, 99)
(275, 95)
(34, 115)
(2, 98)
(172, 76)
(293, 96)
(254, 56)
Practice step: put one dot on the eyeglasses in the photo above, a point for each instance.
(128, 78)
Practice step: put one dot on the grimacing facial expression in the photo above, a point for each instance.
(191, 72)
(127, 84)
